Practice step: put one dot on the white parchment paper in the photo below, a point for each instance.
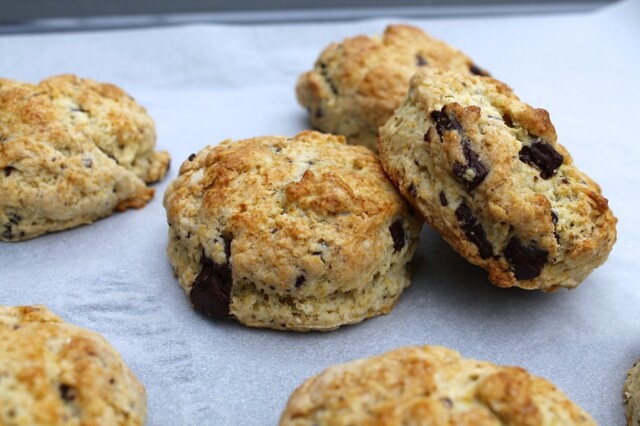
(206, 83)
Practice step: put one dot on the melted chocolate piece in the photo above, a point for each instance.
(473, 230)
(67, 393)
(476, 70)
(211, 292)
(445, 121)
(480, 171)
(443, 199)
(421, 61)
(8, 170)
(191, 157)
(8, 234)
(397, 233)
(527, 261)
(508, 120)
(541, 155)
(300, 279)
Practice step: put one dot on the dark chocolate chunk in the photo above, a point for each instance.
(8, 170)
(319, 113)
(443, 199)
(191, 157)
(527, 261)
(67, 393)
(480, 171)
(397, 233)
(473, 230)
(426, 137)
(211, 292)
(476, 70)
(300, 279)
(554, 217)
(14, 218)
(541, 155)
(412, 190)
(8, 234)
(421, 61)
(507, 120)
(445, 121)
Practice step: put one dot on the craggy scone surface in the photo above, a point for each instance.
(71, 151)
(486, 170)
(356, 85)
(53, 373)
(429, 385)
(631, 395)
(303, 233)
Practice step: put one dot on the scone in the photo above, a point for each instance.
(302, 233)
(427, 386)
(486, 170)
(53, 374)
(356, 85)
(631, 395)
(71, 151)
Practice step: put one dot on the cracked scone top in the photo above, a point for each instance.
(54, 374)
(486, 170)
(302, 233)
(356, 85)
(71, 151)
(631, 395)
(429, 385)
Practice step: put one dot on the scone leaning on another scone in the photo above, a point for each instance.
(486, 170)
(429, 385)
(54, 374)
(631, 395)
(303, 233)
(356, 85)
(71, 151)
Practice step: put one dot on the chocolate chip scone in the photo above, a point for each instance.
(71, 151)
(429, 385)
(302, 233)
(356, 85)
(631, 395)
(486, 170)
(53, 373)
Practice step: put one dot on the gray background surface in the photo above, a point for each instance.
(205, 83)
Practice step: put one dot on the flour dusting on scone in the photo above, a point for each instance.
(53, 373)
(429, 385)
(302, 233)
(71, 151)
(356, 85)
(486, 170)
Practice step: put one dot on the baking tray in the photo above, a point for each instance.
(205, 83)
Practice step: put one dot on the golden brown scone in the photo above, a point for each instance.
(302, 233)
(71, 151)
(428, 386)
(356, 85)
(54, 374)
(631, 395)
(486, 170)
